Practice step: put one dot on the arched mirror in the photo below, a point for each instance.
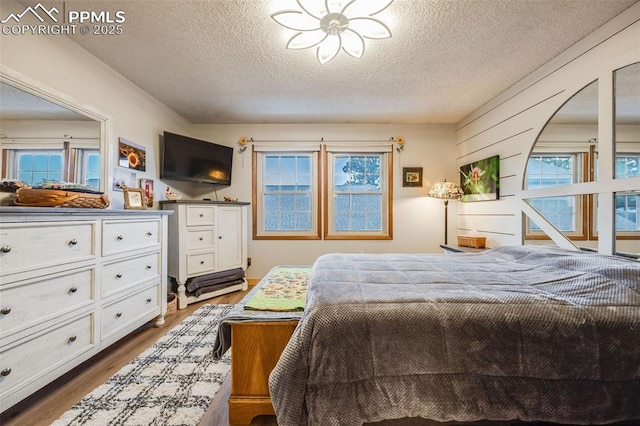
(46, 138)
(565, 153)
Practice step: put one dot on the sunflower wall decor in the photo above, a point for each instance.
(131, 156)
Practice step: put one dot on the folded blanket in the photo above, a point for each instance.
(216, 278)
(209, 288)
(285, 290)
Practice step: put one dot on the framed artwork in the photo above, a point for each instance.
(133, 198)
(480, 181)
(132, 156)
(147, 187)
(412, 176)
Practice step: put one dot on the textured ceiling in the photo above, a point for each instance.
(224, 61)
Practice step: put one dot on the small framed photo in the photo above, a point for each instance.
(412, 176)
(133, 198)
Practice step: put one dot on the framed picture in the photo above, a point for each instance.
(133, 198)
(412, 176)
(480, 181)
(132, 156)
(147, 187)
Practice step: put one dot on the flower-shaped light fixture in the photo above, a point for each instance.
(332, 25)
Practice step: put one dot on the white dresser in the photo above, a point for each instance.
(205, 237)
(72, 282)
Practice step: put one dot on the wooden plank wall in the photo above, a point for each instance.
(510, 124)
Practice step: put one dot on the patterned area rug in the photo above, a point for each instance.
(173, 382)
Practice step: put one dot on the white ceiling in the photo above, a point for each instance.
(224, 61)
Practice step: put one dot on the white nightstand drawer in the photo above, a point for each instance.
(126, 311)
(199, 239)
(38, 354)
(37, 245)
(129, 272)
(201, 215)
(41, 299)
(200, 263)
(120, 236)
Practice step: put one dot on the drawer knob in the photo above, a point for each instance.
(6, 310)
(148, 300)
(5, 249)
(5, 372)
(202, 262)
(73, 289)
(201, 238)
(219, 237)
(148, 266)
(201, 215)
(120, 237)
(73, 242)
(149, 234)
(119, 314)
(72, 339)
(118, 276)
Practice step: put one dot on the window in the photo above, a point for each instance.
(35, 166)
(357, 192)
(566, 212)
(287, 191)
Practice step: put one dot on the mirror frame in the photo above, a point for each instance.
(33, 87)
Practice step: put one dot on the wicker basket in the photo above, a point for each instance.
(172, 304)
(475, 242)
(60, 198)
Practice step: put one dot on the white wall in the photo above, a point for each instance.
(418, 221)
(510, 124)
(60, 65)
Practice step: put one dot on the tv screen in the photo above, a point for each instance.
(189, 159)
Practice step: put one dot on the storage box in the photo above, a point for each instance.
(475, 242)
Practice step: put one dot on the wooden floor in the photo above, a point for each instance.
(46, 405)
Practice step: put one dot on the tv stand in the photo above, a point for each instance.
(205, 237)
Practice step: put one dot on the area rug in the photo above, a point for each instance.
(173, 382)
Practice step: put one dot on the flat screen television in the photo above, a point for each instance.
(189, 159)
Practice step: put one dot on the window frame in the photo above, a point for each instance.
(259, 153)
(330, 153)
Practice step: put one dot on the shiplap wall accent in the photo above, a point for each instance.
(510, 124)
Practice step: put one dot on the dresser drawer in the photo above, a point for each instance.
(36, 355)
(36, 245)
(199, 239)
(39, 300)
(201, 215)
(121, 236)
(127, 273)
(120, 314)
(198, 263)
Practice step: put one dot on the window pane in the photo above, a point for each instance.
(40, 162)
(287, 189)
(547, 170)
(559, 211)
(25, 162)
(627, 212)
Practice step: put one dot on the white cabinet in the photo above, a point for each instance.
(205, 237)
(72, 282)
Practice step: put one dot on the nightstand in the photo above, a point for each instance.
(451, 249)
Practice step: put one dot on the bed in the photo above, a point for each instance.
(514, 333)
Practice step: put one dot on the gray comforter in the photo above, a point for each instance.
(526, 333)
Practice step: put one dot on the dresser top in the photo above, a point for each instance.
(69, 211)
(220, 203)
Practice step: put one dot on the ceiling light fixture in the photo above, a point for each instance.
(333, 25)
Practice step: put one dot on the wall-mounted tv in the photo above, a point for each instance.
(189, 159)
